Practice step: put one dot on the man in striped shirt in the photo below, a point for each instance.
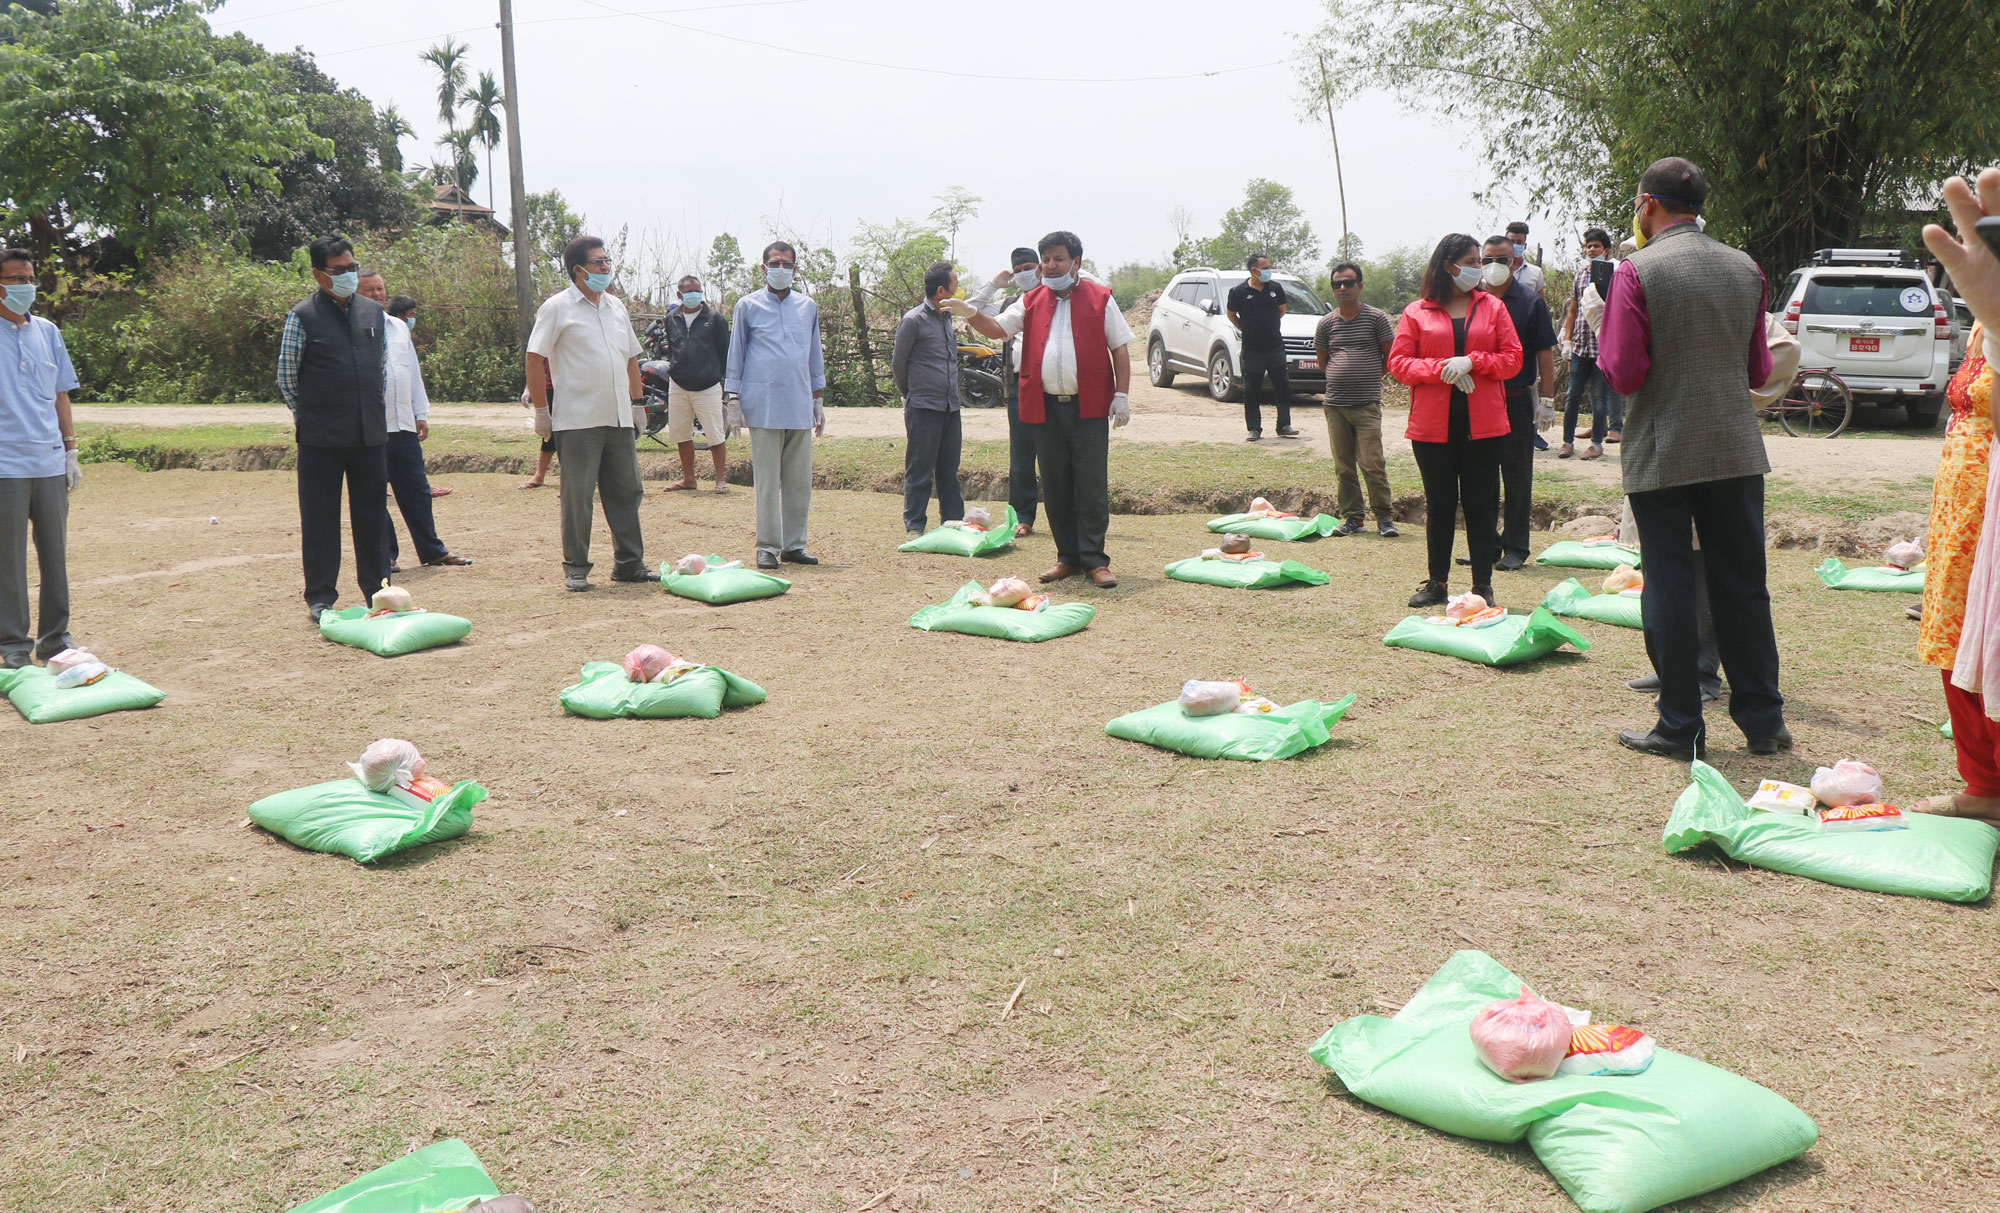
(1353, 342)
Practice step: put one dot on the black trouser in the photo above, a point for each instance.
(1517, 470)
(1461, 472)
(321, 470)
(1728, 515)
(932, 440)
(1073, 452)
(1022, 491)
(1256, 365)
(413, 498)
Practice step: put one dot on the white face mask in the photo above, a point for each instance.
(1024, 280)
(1496, 275)
(1062, 283)
(1467, 277)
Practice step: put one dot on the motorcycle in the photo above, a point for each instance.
(982, 376)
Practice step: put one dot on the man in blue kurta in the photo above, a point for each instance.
(775, 378)
(38, 467)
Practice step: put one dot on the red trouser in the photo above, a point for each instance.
(1977, 738)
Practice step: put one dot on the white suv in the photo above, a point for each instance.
(1190, 331)
(1874, 318)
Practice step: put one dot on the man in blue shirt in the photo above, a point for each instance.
(38, 467)
(773, 383)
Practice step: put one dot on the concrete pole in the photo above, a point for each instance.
(524, 278)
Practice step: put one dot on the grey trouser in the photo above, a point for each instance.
(601, 462)
(930, 459)
(781, 468)
(1355, 432)
(40, 504)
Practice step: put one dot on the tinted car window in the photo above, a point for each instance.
(1782, 297)
(1300, 301)
(1184, 293)
(1204, 293)
(1835, 296)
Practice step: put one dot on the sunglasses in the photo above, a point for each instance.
(1496, 261)
(1345, 284)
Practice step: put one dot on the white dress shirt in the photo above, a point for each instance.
(587, 345)
(1059, 362)
(403, 389)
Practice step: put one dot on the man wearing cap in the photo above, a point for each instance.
(992, 298)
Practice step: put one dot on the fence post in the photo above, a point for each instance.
(861, 328)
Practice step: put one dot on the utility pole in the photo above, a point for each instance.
(524, 271)
(1326, 92)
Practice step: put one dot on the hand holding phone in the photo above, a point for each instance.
(1971, 253)
(1989, 231)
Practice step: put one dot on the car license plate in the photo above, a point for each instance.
(1864, 345)
(1309, 365)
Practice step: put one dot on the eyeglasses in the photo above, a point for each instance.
(778, 265)
(1496, 261)
(602, 263)
(16, 279)
(343, 269)
(1345, 284)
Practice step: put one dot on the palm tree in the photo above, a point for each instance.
(449, 60)
(395, 128)
(486, 101)
(464, 165)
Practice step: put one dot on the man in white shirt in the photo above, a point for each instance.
(1075, 375)
(406, 407)
(583, 339)
(1526, 272)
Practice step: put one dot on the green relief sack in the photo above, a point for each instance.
(1838, 576)
(443, 1177)
(1571, 554)
(961, 614)
(1515, 639)
(34, 693)
(1570, 598)
(1247, 574)
(1616, 1143)
(1259, 737)
(603, 692)
(1315, 527)
(344, 818)
(720, 587)
(952, 541)
(1947, 858)
(392, 635)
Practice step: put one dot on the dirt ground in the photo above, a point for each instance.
(761, 962)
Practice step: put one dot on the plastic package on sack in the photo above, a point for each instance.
(1607, 1049)
(1264, 509)
(1904, 554)
(81, 675)
(69, 658)
(1848, 781)
(1257, 705)
(978, 516)
(694, 564)
(390, 600)
(1602, 541)
(1860, 818)
(1623, 578)
(1006, 592)
(388, 763)
(1241, 557)
(1777, 796)
(1234, 544)
(643, 664)
(674, 669)
(1521, 1039)
(1462, 606)
(1200, 698)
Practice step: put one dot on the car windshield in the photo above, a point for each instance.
(1300, 301)
(1903, 298)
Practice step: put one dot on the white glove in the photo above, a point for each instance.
(1592, 307)
(73, 470)
(959, 307)
(545, 429)
(639, 418)
(1566, 348)
(732, 415)
(1545, 412)
(1121, 410)
(1457, 372)
(819, 419)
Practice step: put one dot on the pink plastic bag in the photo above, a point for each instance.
(644, 663)
(1846, 782)
(1521, 1039)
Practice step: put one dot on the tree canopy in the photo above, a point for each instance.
(1268, 221)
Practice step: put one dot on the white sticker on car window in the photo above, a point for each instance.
(1916, 299)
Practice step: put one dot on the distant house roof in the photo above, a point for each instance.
(450, 202)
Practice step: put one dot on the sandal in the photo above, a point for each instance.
(438, 490)
(1023, 529)
(680, 486)
(722, 488)
(533, 484)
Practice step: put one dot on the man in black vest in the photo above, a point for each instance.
(332, 362)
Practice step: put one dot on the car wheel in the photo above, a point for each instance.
(1222, 382)
(1157, 369)
(1922, 414)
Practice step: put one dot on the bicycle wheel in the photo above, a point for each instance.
(1818, 406)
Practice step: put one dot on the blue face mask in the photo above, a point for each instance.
(20, 297)
(1521, 251)
(410, 322)
(344, 284)
(1062, 283)
(691, 299)
(778, 277)
(597, 282)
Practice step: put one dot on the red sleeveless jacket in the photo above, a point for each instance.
(1094, 382)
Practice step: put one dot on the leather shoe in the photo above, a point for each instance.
(797, 556)
(1429, 593)
(766, 561)
(1101, 577)
(314, 608)
(632, 577)
(1653, 743)
(1782, 740)
(1059, 572)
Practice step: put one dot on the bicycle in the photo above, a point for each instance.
(1817, 405)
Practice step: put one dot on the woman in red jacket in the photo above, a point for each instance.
(1455, 349)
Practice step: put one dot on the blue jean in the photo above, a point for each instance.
(1607, 408)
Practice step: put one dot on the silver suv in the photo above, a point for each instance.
(1190, 332)
(1872, 317)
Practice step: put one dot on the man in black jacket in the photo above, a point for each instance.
(698, 346)
(332, 362)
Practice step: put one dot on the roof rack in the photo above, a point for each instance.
(1862, 256)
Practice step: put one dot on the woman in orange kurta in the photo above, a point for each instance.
(1958, 500)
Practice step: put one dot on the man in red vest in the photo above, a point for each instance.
(1075, 371)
